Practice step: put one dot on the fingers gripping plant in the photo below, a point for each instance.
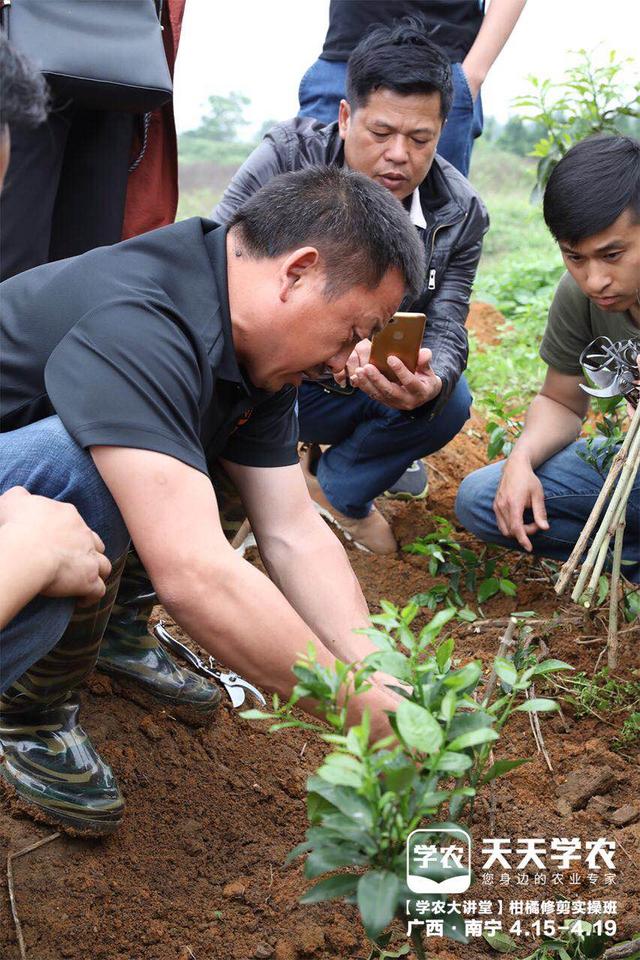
(366, 798)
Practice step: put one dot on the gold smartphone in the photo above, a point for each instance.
(402, 338)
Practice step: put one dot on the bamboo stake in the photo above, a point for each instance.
(618, 463)
(612, 637)
(617, 505)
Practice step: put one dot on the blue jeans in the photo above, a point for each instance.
(45, 460)
(570, 486)
(371, 444)
(323, 86)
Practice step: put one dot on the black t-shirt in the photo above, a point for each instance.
(131, 346)
(455, 23)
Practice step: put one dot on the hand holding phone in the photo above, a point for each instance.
(402, 338)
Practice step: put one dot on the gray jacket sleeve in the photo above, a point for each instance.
(262, 165)
(446, 309)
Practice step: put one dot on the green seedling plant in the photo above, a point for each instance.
(367, 797)
(505, 422)
(465, 570)
(604, 438)
(599, 93)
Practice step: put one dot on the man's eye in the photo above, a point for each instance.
(573, 257)
(612, 257)
(379, 135)
(421, 143)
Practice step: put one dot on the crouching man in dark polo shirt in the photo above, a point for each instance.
(126, 373)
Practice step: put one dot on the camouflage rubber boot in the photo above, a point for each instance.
(135, 658)
(49, 765)
(140, 664)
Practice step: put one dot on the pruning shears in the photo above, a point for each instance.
(613, 368)
(236, 686)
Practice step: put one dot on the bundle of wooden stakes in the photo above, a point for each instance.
(613, 499)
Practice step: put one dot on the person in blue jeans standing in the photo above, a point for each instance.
(399, 95)
(470, 39)
(539, 499)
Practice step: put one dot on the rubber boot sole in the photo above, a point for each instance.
(91, 828)
(130, 688)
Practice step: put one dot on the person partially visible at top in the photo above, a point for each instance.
(470, 33)
(45, 546)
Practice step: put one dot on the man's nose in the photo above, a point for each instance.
(397, 150)
(598, 278)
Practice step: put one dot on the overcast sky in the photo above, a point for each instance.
(262, 47)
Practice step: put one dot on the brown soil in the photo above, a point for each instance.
(486, 322)
(197, 869)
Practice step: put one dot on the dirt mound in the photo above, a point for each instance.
(197, 869)
(485, 321)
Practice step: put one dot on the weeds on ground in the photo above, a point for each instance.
(480, 574)
(367, 798)
(629, 736)
(574, 940)
(505, 422)
(601, 693)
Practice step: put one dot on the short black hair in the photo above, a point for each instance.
(358, 227)
(593, 184)
(400, 58)
(24, 93)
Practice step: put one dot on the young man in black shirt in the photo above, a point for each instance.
(126, 373)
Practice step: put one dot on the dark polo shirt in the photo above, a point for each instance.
(131, 346)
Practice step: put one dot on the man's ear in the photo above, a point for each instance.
(344, 118)
(297, 265)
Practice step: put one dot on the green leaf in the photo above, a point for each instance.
(488, 588)
(549, 666)
(454, 762)
(500, 767)
(397, 779)
(438, 621)
(473, 738)
(538, 705)
(391, 661)
(467, 676)
(444, 651)
(500, 941)
(418, 728)
(257, 715)
(505, 670)
(448, 705)
(378, 893)
(343, 799)
(508, 587)
(466, 721)
(339, 776)
(330, 857)
(344, 885)
(465, 613)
